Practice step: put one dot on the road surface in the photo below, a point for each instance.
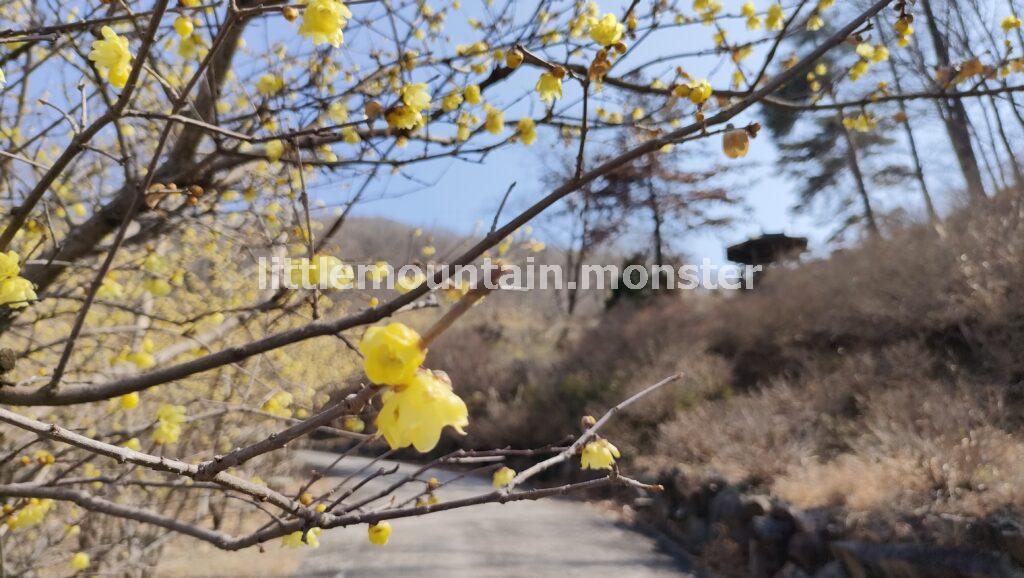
(547, 538)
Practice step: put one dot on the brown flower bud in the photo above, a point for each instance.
(290, 13)
(373, 109)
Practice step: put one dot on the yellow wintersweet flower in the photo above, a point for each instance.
(80, 561)
(278, 404)
(157, 287)
(607, 30)
(502, 477)
(129, 400)
(133, 444)
(748, 10)
(353, 423)
(549, 87)
(495, 121)
(700, 91)
(904, 29)
(379, 533)
(415, 96)
(859, 69)
(391, 354)
(1011, 22)
(599, 455)
(323, 21)
(815, 22)
(269, 84)
(527, 130)
(183, 26)
(294, 540)
(416, 412)
(16, 292)
(861, 123)
(776, 18)
(30, 515)
(472, 94)
(338, 112)
(350, 135)
(451, 101)
(141, 359)
(274, 149)
(169, 419)
(325, 271)
(881, 53)
(111, 54)
(404, 118)
(9, 266)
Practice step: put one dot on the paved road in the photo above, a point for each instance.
(548, 538)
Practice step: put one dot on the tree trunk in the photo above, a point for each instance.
(956, 119)
(858, 176)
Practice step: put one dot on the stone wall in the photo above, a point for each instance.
(768, 539)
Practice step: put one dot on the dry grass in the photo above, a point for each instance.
(881, 382)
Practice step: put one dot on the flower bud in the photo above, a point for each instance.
(514, 58)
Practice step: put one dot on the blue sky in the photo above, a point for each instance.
(459, 195)
(464, 194)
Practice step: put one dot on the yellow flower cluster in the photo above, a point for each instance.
(698, 91)
(143, 359)
(15, 291)
(112, 56)
(30, 515)
(279, 404)
(1011, 22)
(168, 428)
(269, 84)
(323, 271)
(776, 18)
(861, 123)
(904, 30)
(324, 21)
(409, 114)
(419, 403)
(750, 12)
(599, 455)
